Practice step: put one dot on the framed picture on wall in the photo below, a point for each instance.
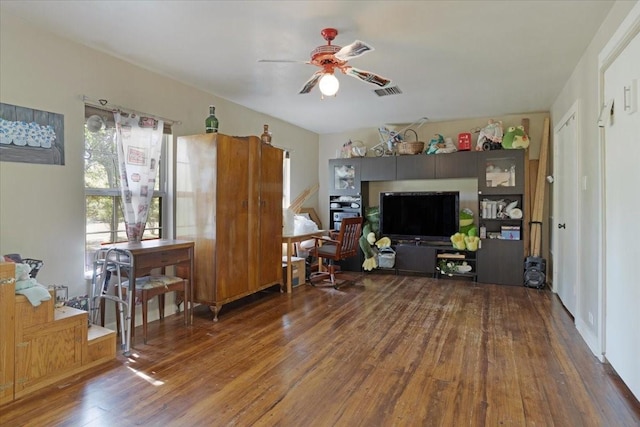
(31, 136)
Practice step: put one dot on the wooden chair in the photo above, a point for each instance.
(117, 263)
(156, 286)
(339, 246)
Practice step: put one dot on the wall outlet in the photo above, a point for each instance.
(591, 318)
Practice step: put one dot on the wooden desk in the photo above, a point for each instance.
(152, 254)
(289, 239)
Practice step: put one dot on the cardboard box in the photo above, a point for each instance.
(299, 271)
(509, 232)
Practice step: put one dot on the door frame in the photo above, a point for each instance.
(627, 30)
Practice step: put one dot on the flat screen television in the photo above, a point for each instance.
(427, 216)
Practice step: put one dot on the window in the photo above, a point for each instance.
(104, 220)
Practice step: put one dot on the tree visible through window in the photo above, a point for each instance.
(103, 209)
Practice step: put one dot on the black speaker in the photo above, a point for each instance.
(535, 269)
(534, 278)
(535, 262)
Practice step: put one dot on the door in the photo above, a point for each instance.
(500, 261)
(196, 203)
(378, 168)
(500, 171)
(233, 226)
(622, 197)
(44, 351)
(269, 258)
(344, 177)
(565, 210)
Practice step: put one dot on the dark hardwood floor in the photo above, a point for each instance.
(389, 351)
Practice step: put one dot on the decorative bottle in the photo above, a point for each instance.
(266, 135)
(211, 123)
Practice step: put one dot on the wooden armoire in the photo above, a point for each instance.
(229, 202)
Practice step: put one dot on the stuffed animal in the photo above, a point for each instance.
(491, 134)
(466, 222)
(458, 241)
(471, 242)
(515, 137)
(27, 286)
(370, 255)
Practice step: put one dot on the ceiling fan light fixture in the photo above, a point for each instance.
(329, 84)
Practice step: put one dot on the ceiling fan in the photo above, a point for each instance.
(331, 58)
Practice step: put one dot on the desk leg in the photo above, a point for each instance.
(130, 320)
(191, 278)
(320, 259)
(289, 269)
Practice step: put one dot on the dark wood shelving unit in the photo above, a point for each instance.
(498, 260)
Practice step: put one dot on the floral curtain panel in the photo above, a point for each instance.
(139, 145)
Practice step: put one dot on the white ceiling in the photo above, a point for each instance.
(451, 59)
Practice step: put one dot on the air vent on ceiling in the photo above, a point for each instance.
(394, 90)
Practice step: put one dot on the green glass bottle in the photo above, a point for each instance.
(211, 123)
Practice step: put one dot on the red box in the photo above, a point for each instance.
(464, 141)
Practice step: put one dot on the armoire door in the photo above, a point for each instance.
(196, 207)
(270, 266)
(232, 217)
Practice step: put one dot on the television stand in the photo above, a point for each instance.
(414, 242)
(417, 256)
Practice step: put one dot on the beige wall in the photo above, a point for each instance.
(42, 206)
(583, 85)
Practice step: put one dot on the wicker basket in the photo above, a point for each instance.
(414, 147)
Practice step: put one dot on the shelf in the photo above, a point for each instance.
(451, 256)
(458, 257)
(469, 275)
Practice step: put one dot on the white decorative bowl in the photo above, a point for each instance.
(465, 268)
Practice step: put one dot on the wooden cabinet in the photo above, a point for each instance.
(501, 262)
(501, 187)
(461, 164)
(42, 345)
(500, 175)
(415, 167)
(229, 202)
(7, 327)
(501, 172)
(378, 169)
(415, 258)
(42, 354)
(344, 176)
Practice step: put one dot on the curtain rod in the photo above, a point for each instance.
(104, 104)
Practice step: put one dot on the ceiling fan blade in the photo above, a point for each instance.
(367, 76)
(284, 60)
(355, 49)
(312, 82)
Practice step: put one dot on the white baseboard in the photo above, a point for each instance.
(592, 340)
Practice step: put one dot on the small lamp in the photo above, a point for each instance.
(329, 84)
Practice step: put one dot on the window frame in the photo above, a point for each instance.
(161, 194)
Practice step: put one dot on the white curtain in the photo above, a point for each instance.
(139, 143)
